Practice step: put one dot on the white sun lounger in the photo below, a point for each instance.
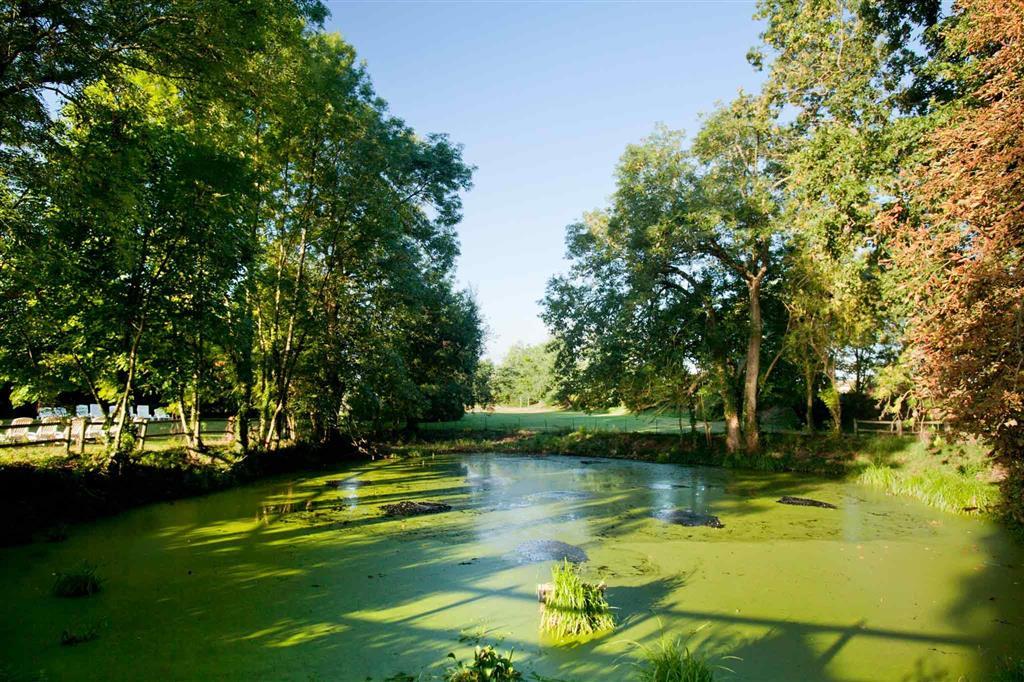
(21, 433)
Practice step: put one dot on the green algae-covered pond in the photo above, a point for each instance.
(305, 579)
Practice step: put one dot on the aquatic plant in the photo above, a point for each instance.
(1011, 670)
(488, 666)
(72, 636)
(572, 606)
(81, 581)
(672, 661)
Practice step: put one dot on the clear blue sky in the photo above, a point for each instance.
(545, 97)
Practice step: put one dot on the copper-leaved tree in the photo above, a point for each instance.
(959, 242)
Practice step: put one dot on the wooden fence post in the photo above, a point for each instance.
(855, 431)
(142, 434)
(67, 439)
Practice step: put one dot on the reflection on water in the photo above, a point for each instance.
(303, 579)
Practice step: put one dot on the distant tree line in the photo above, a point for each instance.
(853, 228)
(524, 377)
(206, 202)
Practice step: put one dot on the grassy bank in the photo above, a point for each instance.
(955, 477)
(44, 492)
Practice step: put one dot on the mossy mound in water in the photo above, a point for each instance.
(689, 518)
(549, 550)
(407, 508)
(805, 502)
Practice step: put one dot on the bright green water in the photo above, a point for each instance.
(237, 586)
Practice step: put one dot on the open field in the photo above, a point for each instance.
(541, 418)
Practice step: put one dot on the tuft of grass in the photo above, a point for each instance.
(672, 661)
(575, 607)
(81, 581)
(488, 666)
(72, 636)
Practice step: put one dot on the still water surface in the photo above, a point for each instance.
(305, 579)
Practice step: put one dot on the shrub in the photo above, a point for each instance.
(487, 666)
(672, 661)
(574, 607)
(79, 582)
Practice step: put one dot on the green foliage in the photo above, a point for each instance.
(525, 376)
(483, 385)
(224, 215)
(488, 666)
(81, 581)
(671, 661)
(574, 607)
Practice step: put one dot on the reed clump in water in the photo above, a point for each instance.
(574, 607)
(80, 581)
(672, 661)
(1011, 670)
(78, 635)
(488, 666)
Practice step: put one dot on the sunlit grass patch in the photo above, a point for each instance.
(80, 581)
(949, 490)
(574, 607)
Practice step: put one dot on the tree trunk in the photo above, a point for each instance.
(753, 366)
(732, 428)
(121, 411)
(197, 427)
(733, 436)
(835, 404)
(809, 379)
(242, 421)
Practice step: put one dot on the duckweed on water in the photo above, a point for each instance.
(81, 581)
(574, 607)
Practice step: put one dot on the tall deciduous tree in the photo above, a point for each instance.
(959, 242)
(680, 262)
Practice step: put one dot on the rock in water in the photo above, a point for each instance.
(407, 508)
(805, 502)
(689, 518)
(549, 550)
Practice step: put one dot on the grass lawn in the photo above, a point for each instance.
(541, 418)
